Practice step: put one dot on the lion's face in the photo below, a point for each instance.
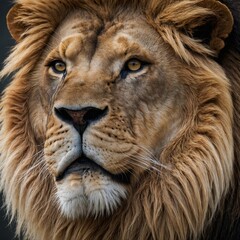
(111, 105)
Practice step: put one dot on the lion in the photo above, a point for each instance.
(122, 120)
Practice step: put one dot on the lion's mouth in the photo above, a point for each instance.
(84, 165)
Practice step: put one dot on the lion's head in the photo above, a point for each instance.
(118, 122)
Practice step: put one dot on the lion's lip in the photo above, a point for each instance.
(83, 165)
(80, 165)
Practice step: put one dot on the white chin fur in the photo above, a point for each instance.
(90, 200)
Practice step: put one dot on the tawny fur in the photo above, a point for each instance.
(177, 203)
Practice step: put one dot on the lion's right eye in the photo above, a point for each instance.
(58, 67)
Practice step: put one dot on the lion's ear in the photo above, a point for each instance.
(207, 21)
(15, 26)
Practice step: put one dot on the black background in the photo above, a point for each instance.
(7, 232)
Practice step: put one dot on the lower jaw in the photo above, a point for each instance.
(79, 197)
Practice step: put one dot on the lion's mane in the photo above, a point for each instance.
(193, 200)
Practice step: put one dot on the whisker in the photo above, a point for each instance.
(153, 158)
(146, 161)
(140, 164)
(37, 164)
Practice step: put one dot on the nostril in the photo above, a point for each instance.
(63, 115)
(94, 114)
(82, 117)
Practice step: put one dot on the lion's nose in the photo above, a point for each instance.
(81, 118)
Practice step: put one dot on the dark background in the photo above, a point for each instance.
(7, 232)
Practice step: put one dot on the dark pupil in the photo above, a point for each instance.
(59, 66)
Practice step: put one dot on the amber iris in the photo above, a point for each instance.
(134, 65)
(58, 67)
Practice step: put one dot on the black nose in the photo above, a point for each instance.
(81, 118)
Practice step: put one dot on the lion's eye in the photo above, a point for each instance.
(134, 65)
(58, 67)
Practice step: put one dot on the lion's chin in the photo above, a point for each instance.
(89, 194)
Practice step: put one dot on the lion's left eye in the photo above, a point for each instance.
(58, 67)
(132, 66)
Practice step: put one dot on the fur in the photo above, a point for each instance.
(201, 180)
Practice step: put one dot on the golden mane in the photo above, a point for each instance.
(189, 199)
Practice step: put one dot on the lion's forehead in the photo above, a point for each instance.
(86, 39)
